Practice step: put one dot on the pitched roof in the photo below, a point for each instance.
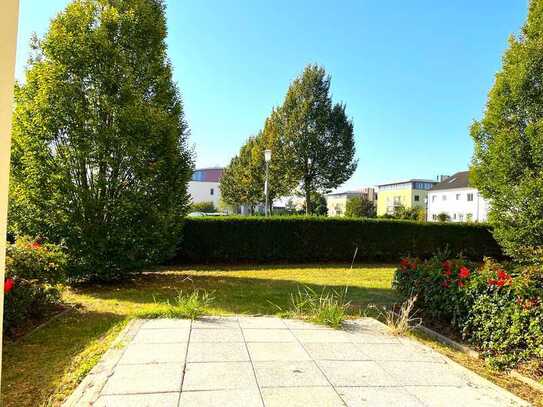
(458, 180)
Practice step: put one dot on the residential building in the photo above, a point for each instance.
(205, 185)
(409, 194)
(337, 202)
(455, 197)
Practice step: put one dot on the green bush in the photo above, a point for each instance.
(206, 207)
(310, 239)
(30, 260)
(33, 271)
(495, 307)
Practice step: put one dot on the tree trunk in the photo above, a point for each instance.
(307, 199)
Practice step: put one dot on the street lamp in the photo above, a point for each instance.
(267, 158)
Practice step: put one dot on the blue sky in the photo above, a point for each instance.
(413, 75)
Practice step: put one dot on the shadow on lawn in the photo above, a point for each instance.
(235, 293)
(45, 366)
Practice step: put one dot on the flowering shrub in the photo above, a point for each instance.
(496, 307)
(33, 270)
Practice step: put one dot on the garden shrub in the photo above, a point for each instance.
(33, 271)
(497, 307)
(311, 239)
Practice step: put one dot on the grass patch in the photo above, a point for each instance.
(184, 305)
(43, 369)
(329, 307)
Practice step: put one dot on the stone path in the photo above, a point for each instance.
(261, 361)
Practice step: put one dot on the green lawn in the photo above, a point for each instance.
(45, 367)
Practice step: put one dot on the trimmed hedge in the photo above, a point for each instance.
(310, 239)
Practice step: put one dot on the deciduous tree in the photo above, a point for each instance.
(508, 158)
(317, 134)
(100, 157)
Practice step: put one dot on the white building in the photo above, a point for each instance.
(205, 185)
(455, 198)
(337, 202)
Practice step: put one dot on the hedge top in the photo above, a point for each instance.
(311, 238)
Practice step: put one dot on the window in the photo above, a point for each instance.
(457, 197)
(460, 217)
(470, 197)
(444, 197)
(417, 198)
(434, 217)
(433, 198)
(454, 216)
(211, 191)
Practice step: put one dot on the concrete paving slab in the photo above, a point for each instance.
(217, 352)
(219, 376)
(216, 335)
(299, 324)
(216, 322)
(423, 374)
(335, 351)
(277, 351)
(353, 373)
(229, 362)
(463, 396)
(162, 336)
(154, 353)
(399, 352)
(268, 335)
(322, 336)
(301, 397)
(261, 322)
(291, 374)
(139, 400)
(221, 398)
(166, 323)
(154, 378)
(378, 397)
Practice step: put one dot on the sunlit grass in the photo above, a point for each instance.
(45, 368)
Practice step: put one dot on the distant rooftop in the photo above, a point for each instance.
(212, 174)
(408, 181)
(458, 180)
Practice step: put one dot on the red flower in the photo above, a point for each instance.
(405, 263)
(464, 272)
(8, 285)
(502, 275)
(460, 283)
(492, 282)
(500, 283)
(35, 245)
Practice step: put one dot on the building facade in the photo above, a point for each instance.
(337, 202)
(455, 198)
(409, 194)
(205, 185)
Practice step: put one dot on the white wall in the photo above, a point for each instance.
(200, 191)
(454, 202)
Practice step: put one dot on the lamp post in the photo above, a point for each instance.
(267, 158)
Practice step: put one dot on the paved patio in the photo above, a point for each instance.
(261, 361)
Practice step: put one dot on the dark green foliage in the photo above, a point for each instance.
(498, 311)
(35, 269)
(318, 205)
(360, 207)
(508, 158)
(100, 160)
(206, 207)
(312, 239)
(318, 133)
